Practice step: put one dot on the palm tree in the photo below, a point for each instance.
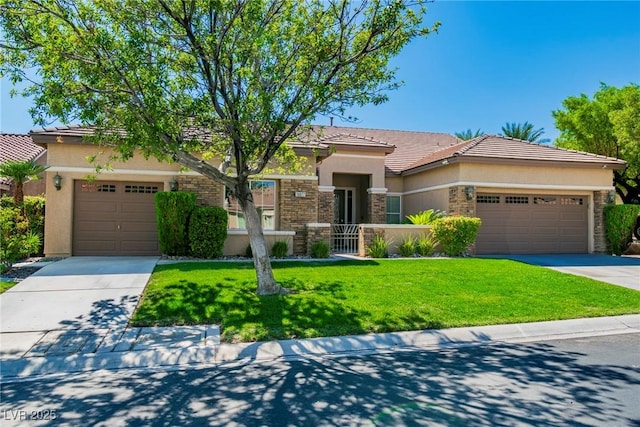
(20, 172)
(523, 131)
(468, 134)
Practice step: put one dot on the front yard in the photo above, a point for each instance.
(355, 297)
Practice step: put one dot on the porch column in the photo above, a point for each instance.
(326, 204)
(377, 206)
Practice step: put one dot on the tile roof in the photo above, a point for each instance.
(500, 147)
(410, 146)
(409, 150)
(17, 147)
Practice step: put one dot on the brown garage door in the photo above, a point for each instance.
(115, 218)
(519, 224)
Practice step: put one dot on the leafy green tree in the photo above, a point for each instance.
(607, 124)
(20, 172)
(524, 131)
(469, 134)
(194, 81)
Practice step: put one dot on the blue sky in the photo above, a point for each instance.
(490, 63)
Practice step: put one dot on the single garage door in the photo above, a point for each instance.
(115, 218)
(530, 224)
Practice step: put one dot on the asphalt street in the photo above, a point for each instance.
(592, 381)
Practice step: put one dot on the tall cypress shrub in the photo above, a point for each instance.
(173, 209)
(207, 231)
(619, 221)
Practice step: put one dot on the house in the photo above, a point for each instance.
(531, 198)
(16, 147)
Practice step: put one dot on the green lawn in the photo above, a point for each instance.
(354, 297)
(5, 286)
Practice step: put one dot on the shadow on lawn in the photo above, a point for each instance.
(314, 310)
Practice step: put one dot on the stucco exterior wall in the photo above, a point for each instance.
(353, 163)
(435, 199)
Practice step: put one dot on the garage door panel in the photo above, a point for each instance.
(531, 224)
(115, 218)
(96, 226)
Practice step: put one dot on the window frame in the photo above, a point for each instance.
(388, 213)
(267, 225)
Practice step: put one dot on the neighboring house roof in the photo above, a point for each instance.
(501, 148)
(17, 147)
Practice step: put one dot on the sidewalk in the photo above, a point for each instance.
(72, 316)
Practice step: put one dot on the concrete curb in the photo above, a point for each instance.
(210, 352)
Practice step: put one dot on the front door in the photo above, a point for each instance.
(345, 206)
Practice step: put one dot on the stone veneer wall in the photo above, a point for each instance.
(326, 202)
(365, 237)
(317, 232)
(458, 203)
(208, 192)
(599, 231)
(296, 212)
(377, 208)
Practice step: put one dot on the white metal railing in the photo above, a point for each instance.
(344, 238)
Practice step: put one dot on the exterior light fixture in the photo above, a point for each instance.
(57, 181)
(611, 197)
(173, 184)
(468, 191)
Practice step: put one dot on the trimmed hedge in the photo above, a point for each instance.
(456, 233)
(619, 221)
(207, 231)
(173, 209)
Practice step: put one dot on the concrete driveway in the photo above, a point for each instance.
(75, 294)
(621, 271)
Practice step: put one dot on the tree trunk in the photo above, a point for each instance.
(267, 284)
(18, 198)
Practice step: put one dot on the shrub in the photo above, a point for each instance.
(426, 217)
(619, 221)
(17, 241)
(456, 233)
(248, 252)
(425, 245)
(320, 249)
(379, 247)
(35, 210)
(279, 249)
(207, 231)
(408, 246)
(173, 209)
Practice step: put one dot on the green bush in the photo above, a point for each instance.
(248, 252)
(456, 233)
(426, 217)
(173, 209)
(425, 245)
(320, 249)
(408, 246)
(279, 249)
(35, 210)
(619, 221)
(17, 240)
(379, 247)
(207, 231)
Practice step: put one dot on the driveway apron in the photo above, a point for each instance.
(75, 294)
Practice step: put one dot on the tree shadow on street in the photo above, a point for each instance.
(500, 384)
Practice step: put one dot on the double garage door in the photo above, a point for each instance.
(115, 218)
(530, 224)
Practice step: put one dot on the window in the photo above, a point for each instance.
(393, 210)
(264, 196)
(517, 200)
(488, 199)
